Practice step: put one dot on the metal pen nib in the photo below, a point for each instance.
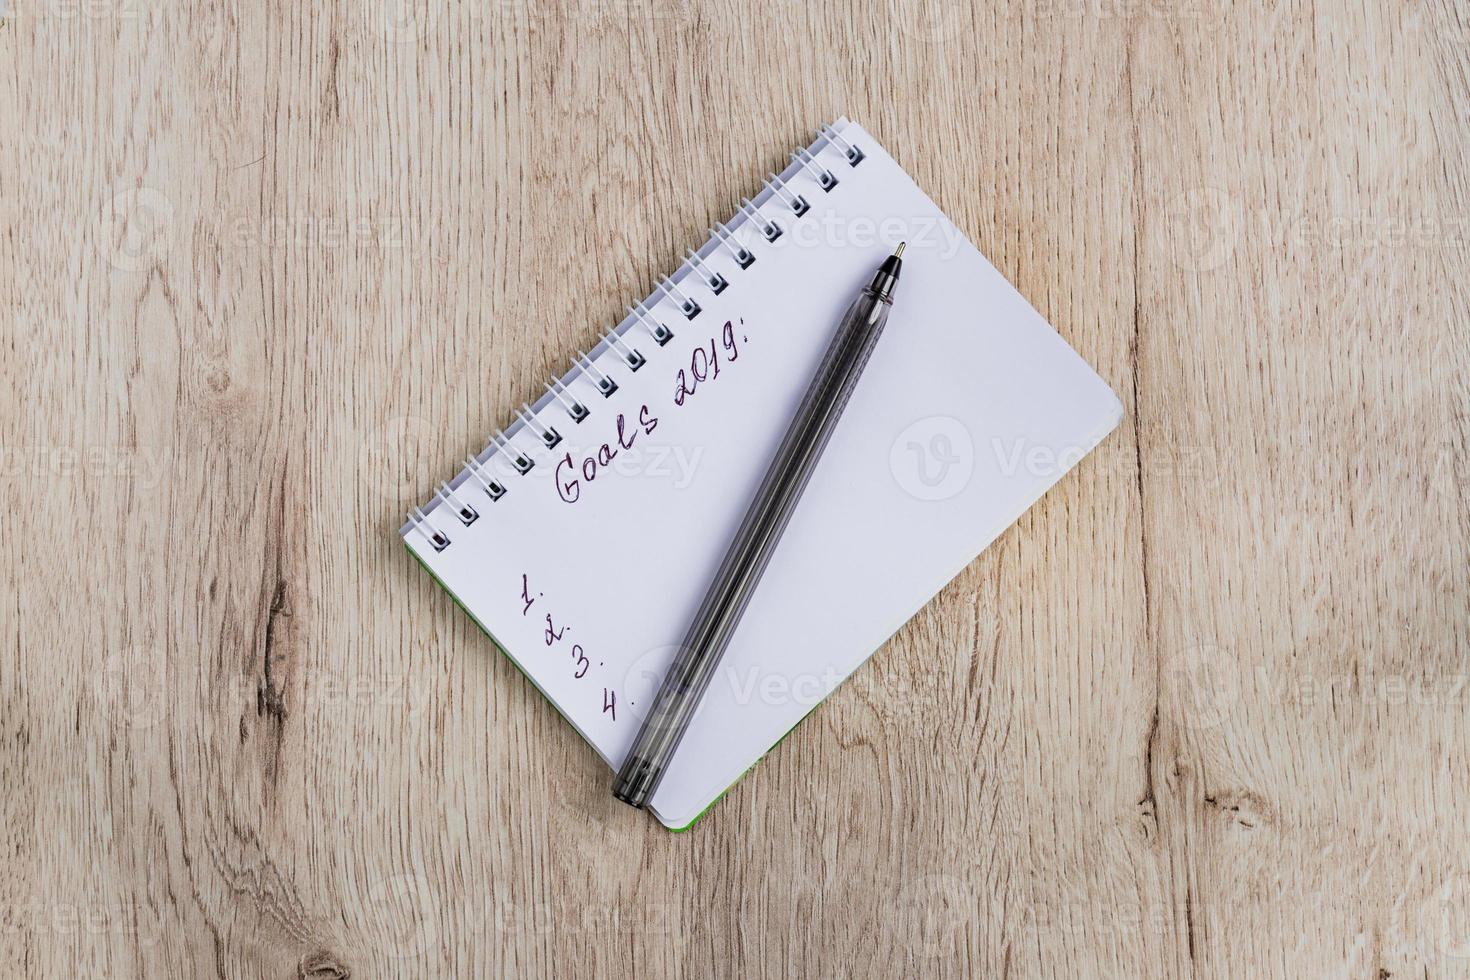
(885, 280)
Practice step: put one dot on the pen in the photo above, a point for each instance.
(750, 551)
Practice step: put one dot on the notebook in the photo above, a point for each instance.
(584, 535)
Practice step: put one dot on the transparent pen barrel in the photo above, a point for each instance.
(751, 549)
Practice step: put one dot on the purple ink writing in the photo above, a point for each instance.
(571, 473)
(704, 362)
(553, 634)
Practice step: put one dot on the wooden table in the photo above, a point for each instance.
(270, 268)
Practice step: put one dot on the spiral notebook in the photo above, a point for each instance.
(582, 538)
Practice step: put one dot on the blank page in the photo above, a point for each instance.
(587, 570)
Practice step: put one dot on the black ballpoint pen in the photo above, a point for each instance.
(750, 551)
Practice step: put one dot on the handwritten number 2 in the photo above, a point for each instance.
(552, 635)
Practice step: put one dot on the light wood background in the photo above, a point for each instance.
(270, 268)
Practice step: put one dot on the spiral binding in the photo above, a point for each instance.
(549, 436)
(717, 283)
(660, 332)
(794, 201)
(518, 459)
(467, 514)
(687, 305)
(575, 409)
(761, 215)
(824, 177)
(743, 256)
(493, 488)
(604, 382)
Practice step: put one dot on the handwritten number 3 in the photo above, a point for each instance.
(581, 659)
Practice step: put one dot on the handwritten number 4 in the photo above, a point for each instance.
(610, 703)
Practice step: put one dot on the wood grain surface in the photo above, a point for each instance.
(270, 268)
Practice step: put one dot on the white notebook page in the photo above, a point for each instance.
(970, 408)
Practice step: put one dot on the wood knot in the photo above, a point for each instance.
(1149, 819)
(322, 965)
(1241, 807)
(217, 379)
(270, 701)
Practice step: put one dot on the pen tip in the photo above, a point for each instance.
(899, 253)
